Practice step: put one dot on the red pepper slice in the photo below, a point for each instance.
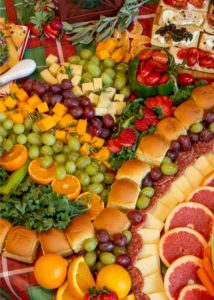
(170, 2)
(140, 78)
(185, 79)
(152, 79)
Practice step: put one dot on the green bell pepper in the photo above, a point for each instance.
(143, 90)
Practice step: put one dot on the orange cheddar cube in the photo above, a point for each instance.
(3, 107)
(42, 107)
(17, 118)
(97, 142)
(101, 46)
(28, 108)
(73, 126)
(103, 54)
(34, 101)
(66, 120)
(86, 138)
(56, 118)
(111, 44)
(61, 135)
(103, 154)
(127, 57)
(82, 126)
(46, 124)
(13, 88)
(85, 149)
(10, 102)
(60, 109)
(21, 95)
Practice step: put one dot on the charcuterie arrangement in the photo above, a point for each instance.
(107, 161)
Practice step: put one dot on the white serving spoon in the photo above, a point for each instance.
(22, 69)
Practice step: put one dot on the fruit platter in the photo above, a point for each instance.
(107, 154)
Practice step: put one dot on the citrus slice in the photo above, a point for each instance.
(136, 50)
(179, 242)
(203, 195)
(41, 175)
(94, 203)
(140, 40)
(14, 159)
(192, 215)
(117, 34)
(194, 291)
(80, 278)
(124, 40)
(69, 186)
(63, 293)
(181, 273)
(136, 30)
(208, 180)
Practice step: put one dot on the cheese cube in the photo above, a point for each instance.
(60, 109)
(46, 124)
(54, 69)
(56, 118)
(85, 149)
(77, 91)
(103, 101)
(17, 118)
(183, 185)
(117, 107)
(86, 138)
(93, 98)
(28, 108)
(34, 101)
(193, 176)
(76, 80)
(13, 88)
(87, 87)
(168, 200)
(112, 111)
(203, 166)
(109, 92)
(48, 77)
(176, 193)
(66, 120)
(153, 283)
(119, 97)
(81, 127)
(51, 59)
(21, 95)
(147, 265)
(60, 77)
(98, 84)
(60, 135)
(97, 142)
(42, 107)
(160, 211)
(148, 250)
(150, 236)
(10, 102)
(76, 69)
(2, 107)
(100, 111)
(152, 222)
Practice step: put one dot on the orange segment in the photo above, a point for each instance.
(136, 50)
(41, 175)
(124, 41)
(140, 40)
(136, 31)
(94, 203)
(79, 278)
(69, 186)
(14, 159)
(63, 293)
(117, 34)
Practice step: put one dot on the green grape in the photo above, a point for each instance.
(13, 137)
(70, 167)
(33, 138)
(46, 150)
(85, 67)
(121, 67)
(111, 72)
(169, 168)
(3, 131)
(60, 159)
(7, 145)
(87, 77)
(28, 123)
(90, 244)
(1, 139)
(18, 128)
(3, 116)
(148, 191)
(73, 144)
(66, 149)
(90, 258)
(211, 127)
(81, 62)
(35, 128)
(108, 178)
(104, 195)
(109, 63)
(95, 60)
(167, 160)
(21, 139)
(94, 70)
(96, 188)
(107, 258)
(57, 147)
(196, 127)
(83, 161)
(77, 173)
(84, 189)
(99, 265)
(102, 168)
(92, 169)
(8, 124)
(73, 156)
(119, 250)
(48, 139)
(107, 79)
(74, 59)
(33, 152)
(126, 92)
(120, 75)
(86, 54)
(143, 202)
(119, 83)
(98, 178)
(60, 172)
(128, 235)
(46, 161)
(84, 179)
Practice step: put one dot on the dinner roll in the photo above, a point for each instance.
(152, 149)
(204, 96)
(170, 129)
(21, 244)
(4, 229)
(133, 169)
(78, 231)
(112, 220)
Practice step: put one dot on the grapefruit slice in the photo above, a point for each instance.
(192, 215)
(194, 292)
(208, 180)
(179, 242)
(181, 273)
(203, 195)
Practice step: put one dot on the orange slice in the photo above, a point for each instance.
(94, 203)
(63, 293)
(137, 30)
(124, 41)
(117, 34)
(14, 159)
(140, 40)
(69, 186)
(79, 278)
(136, 50)
(41, 175)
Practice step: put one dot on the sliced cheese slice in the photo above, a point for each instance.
(176, 193)
(183, 185)
(147, 265)
(149, 236)
(149, 250)
(160, 211)
(153, 283)
(193, 176)
(152, 222)
(168, 200)
(158, 296)
(203, 165)
(210, 158)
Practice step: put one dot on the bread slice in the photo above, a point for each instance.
(206, 42)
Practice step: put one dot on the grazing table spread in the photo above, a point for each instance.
(107, 153)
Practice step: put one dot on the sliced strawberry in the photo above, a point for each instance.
(141, 125)
(49, 32)
(113, 146)
(127, 137)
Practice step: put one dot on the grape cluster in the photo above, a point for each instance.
(105, 250)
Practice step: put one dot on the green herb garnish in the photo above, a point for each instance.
(3, 49)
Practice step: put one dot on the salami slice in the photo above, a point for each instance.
(202, 148)
(135, 246)
(136, 279)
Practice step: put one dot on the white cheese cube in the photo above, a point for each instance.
(87, 87)
(60, 77)
(152, 222)
(160, 211)
(147, 265)
(149, 236)
(98, 84)
(66, 64)
(100, 111)
(48, 77)
(110, 92)
(149, 250)
(119, 97)
(119, 107)
(76, 69)
(158, 296)
(103, 101)
(94, 98)
(51, 59)
(76, 80)
(77, 91)
(54, 69)
(153, 283)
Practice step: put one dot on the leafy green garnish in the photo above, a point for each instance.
(3, 49)
(39, 208)
(117, 159)
(163, 268)
(3, 176)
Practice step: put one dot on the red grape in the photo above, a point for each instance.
(28, 85)
(102, 235)
(96, 122)
(194, 137)
(206, 135)
(115, 128)
(88, 112)
(68, 94)
(156, 174)
(84, 101)
(185, 142)
(55, 98)
(94, 130)
(135, 216)
(175, 146)
(76, 112)
(71, 102)
(172, 155)
(209, 117)
(47, 97)
(66, 84)
(56, 88)
(108, 121)
(106, 247)
(39, 88)
(147, 181)
(120, 240)
(105, 133)
(123, 260)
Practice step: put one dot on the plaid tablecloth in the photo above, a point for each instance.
(17, 281)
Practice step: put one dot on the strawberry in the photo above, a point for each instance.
(141, 125)
(127, 137)
(113, 146)
(49, 32)
(103, 294)
(149, 116)
(162, 105)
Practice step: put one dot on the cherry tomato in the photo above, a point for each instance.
(152, 79)
(193, 55)
(203, 53)
(207, 62)
(161, 68)
(142, 64)
(181, 4)
(164, 79)
(140, 78)
(185, 79)
(210, 19)
(160, 56)
(146, 70)
(182, 54)
(170, 2)
(196, 3)
(145, 54)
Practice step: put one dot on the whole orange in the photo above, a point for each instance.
(50, 271)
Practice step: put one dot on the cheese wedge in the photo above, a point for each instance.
(203, 166)
(183, 185)
(160, 211)
(193, 176)
(176, 193)
(149, 250)
(210, 158)
(149, 236)
(153, 283)
(148, 265)
(152, 222)
(168, 200)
